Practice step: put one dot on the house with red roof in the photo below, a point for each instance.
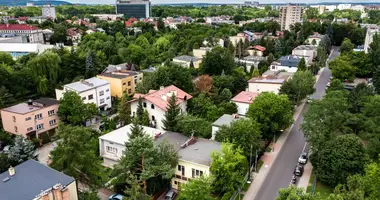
(156, 102)
(243, 100)
(33, 34)
(130, 22)
(256, 50)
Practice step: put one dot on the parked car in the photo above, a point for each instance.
(303, 158)
(309, 99)
(116, 197)
(294, 180)
(170, 195)
(298, 171)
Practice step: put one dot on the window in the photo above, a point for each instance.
(28, 118)
(112, 150)
(52, 122)
(101, 93)
(153, 118)
(16, 129)
(40, 127)
(124, 83)
(152, 106)
(107, 90)
(83, 98)
(108, 98)
(175, 183)
(144, 104)
(14, 118)
(29, 129)
(38, 116)
(129, 83)
(90, 97)
(129, 91)
(51, 112)
(181, 168)
(101, 101)
(196, 173)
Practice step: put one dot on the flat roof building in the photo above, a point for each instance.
(134, 8)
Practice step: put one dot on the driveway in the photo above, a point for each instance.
(44, 151)
(281, 172)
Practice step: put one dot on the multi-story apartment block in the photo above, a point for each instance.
(289, 15)
(93, 90)
(122, 81)
(48, 11)
(31, 118)
(155, 102)
(371, 31)
(134, 8)
(34, 35)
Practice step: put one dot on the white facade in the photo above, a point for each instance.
(242, 108)
(34, 36)
(344, 6)
(264, 87)
(369, 37)
(275, 67)
(306, 51)
(48, 11)
(92, 90)
(112, 145)
(358, 8)
(188, 168)
(331, 7)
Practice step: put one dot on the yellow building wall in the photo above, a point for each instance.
(120, 86)
(176, 182)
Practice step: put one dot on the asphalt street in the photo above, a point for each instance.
(281, 172)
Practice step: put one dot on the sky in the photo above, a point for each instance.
(220, 1)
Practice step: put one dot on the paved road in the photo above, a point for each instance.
(281, 172)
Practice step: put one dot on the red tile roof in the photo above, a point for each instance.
(130, 21)
(245, 97)
(160, 98)
(12, 27)
(22, 18)
(260, 48)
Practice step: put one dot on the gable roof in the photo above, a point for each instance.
(187, 58)
(245, 97)
(161, 97)
(259, 47)
(30, 179)
(22, 27)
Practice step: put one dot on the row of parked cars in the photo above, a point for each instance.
(298, 170)
(170, 195)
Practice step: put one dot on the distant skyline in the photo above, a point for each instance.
(224, 1)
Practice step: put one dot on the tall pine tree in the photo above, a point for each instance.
(171, 115)
(136, 129)
(140, 110)
(302, 65)
(124, 110)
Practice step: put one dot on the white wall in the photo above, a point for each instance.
(309, 53)
(242, 108)
(264, 87)
(285, 68)
(109, 159)
(214, 130)
(106, 97)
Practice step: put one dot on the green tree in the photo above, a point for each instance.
(172, 75)
(311, 13)
(145, 160)
(217, 60)
(73, 111)
(136, 129)
(347, 46)
(21, 151)
(145, 121)
(302, 65)
(374, 50)
(342, 69)
(77, 158)
(243, 133)
(338, 159)
(335, 84)
(124, 110)
(6, 59)
(171, 115)
(193, 125)
(376, 81)
(228, 168)
(273, 112)
(5, 163)
(293, 193)
(195, 189)
(141, 114)
(88, 195)
(297, 88)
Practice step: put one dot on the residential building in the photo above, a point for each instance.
(35, 181)
(250, 61)
(236, 39)
(48, 11)
(289, 15)
(122, 81)
(270, 83)
(12, 38)
(371, 31)
(358, 8)
(155, 102)
(243, 100)
(74, 34)
(331, 8)
(250, 36)
(31, 118)
(344, 6)
(224, 120)
(185, 61)
(134, 8)
(256, 50)
(20, 49)
(194, 156)
(201, 52)
(315, 39)
(93, 90)
(289, 63)
(112, 145)
(108, 17)
(47, 34)
(309, 51)
(33, 34)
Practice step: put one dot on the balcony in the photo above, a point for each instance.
(182, 177)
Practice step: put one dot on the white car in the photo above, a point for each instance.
(303, 158)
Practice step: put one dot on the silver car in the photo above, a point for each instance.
(170, 195)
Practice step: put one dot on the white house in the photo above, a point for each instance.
(194, 156)
(289, 63)
(93, 90)
(309, 51)
(243, 100)
(155, 102)
(266, 84)
(224, 120)
(112, 145)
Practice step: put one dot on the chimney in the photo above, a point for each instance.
(12, 171)
(30, 102)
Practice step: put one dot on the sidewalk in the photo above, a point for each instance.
(303, 182)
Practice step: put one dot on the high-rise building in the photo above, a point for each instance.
(134, 8)
(48, 11)
(290, 14)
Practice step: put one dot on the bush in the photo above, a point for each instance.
(45, 138)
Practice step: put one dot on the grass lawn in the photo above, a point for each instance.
(323, 190)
